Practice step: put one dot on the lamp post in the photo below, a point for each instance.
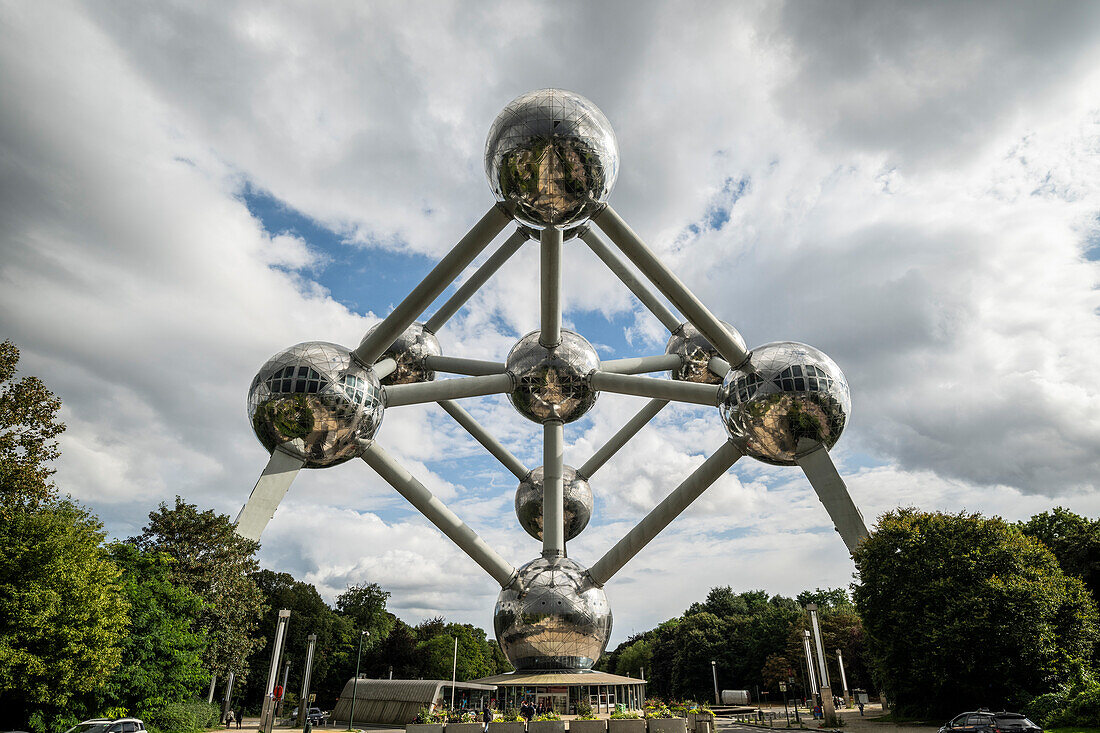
(355, 683)
(714, 673)
(454, 674)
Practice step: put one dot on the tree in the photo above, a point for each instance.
(435, 647)
(216, 564)
(62, 612)
(963, 610)
(365, 606)
(28, 432)
(634, 658)
(1074, 540)
(161, 655)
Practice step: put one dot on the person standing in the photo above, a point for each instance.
(860, 704)
(486, 718)
(229, 719)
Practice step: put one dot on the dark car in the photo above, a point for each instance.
(985, 721)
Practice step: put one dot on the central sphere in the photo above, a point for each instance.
(410, 351)
(552, 382)
(543, 621)
(577, 507)
(553, 155)
(786, 400)
(316, 403)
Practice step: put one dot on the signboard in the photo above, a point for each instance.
(312, 697)
(277, 693)
(782, 686)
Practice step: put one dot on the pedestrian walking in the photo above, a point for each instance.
(860, 704)
(229, 719)
(486, 718)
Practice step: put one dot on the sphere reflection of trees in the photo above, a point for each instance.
(552, 382)
(695, 353)
(410, 352)
(577, 508)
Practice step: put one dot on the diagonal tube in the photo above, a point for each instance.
(481, 435)
(619, 439)
(662, 514)
(665, 389)
(667, 318)
(718, 366)
(479, 278)
(550, 275)
(447, 389)
(442, 275)
(641, 364)
(553, 489)
(438, 514)
(458, 365)
(667, 282)
(830, 488)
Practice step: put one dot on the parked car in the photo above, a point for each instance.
(316, 717)
(108, 725)
(986, 721)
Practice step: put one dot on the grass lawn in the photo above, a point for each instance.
(1073, 730)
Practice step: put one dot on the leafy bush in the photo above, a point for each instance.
(625, 715)
(511, 715)
(659, 711)
(584, 710)
(550, 715)
(184, 717)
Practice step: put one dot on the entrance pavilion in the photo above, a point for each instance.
(563, 690)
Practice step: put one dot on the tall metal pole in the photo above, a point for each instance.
(267, 714)
(812, 608)
(210, 692)
(843, 677)
(454, 674)
(809, 663)
(355, 683)
(228, 694)
(714, 673)
(303, 699)
(286, 675)
(550, 276)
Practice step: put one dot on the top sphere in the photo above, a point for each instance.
(316, 403)
(787, 399)
(553, 155)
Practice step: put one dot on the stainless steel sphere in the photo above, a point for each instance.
(542, 621)
(695, 353)
(410, 351)
(315, 402)
(786, 400)
(552, 383)
(577, 509)
(553, 155)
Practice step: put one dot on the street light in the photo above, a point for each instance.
(355, 683)
(714, 673)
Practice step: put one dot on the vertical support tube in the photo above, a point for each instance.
(670, 286)
(442, 275)
(553, 489)
(303, 698)
(479, 278)
(550, 275)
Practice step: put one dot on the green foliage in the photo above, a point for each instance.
(365, 606)
(584, 710)
(28, 432)
(161, 656)
(183, 717)
(634, 658)
(625, 715)
(435, 647)
(935, 588)
(659, 710)
(549, 715)
(1074, 540)
(1075, 706)
(511, 715)
(216, 564)
(62, 613)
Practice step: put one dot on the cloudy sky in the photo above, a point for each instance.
(186, 189)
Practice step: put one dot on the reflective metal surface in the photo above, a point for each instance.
(410, 351)
(695, 353)
(552, 154)
(534, 234)
(577, 506)
(788, 392)
(552, 383)
(316, 403)
(542, 622)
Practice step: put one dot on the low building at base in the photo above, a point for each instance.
(396, 702)
(561, 691)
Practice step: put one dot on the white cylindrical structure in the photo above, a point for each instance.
(843, 677)
(809, 662)
(553, 489)
(550, 273)
(454, 673)
(812, 608)
(303, 698)
(714, 673)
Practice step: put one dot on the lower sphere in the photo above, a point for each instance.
(544, 621)
(695, 353)
(788, 399)
(577, 508)
(552, 382)
(410, 352)
(316, 403)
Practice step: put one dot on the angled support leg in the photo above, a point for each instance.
(662, 514)
(669, 285)
(481, 435)
(479, 278)
(619, 439)
(667, 318)
(830, 488)
(267, 494)
(442, 275)
(438, 514)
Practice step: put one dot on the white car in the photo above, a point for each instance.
(109, 725)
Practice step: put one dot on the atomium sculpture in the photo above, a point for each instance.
(551, 159)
